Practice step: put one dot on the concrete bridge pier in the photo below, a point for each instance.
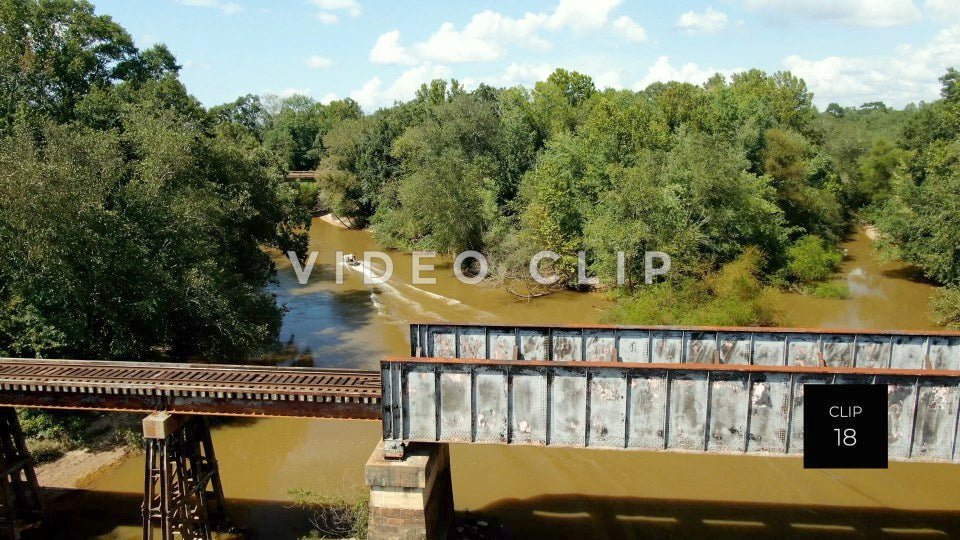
(411, 497)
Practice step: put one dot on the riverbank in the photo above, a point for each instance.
(343, 223)
(80, 468)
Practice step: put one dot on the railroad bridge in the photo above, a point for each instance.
(681, 389)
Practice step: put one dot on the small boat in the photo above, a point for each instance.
(351, 259)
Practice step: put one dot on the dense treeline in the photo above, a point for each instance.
(742, 172)
(920, 216)
(132, 221)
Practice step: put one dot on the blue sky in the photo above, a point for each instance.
(848, 51)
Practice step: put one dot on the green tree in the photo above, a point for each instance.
(810, 259)
(132, 230)
(920, 219)
(53, 52)
(444, 168)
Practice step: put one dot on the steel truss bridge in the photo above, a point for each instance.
(688, 389)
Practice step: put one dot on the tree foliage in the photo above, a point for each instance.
(920, 218)
(132, 227)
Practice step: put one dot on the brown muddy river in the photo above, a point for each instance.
(536, 492)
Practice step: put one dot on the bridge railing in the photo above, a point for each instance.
(695, 345)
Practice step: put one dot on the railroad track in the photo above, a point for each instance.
(236, 390)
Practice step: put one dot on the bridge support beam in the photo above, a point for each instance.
(20, 502)
(182, 491)
(410, 498)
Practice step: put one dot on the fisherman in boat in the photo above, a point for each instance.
(350, 259)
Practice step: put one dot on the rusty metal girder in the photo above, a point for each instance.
(716, 408)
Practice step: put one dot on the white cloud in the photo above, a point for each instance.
(875, 13)
(449, 45)
(514, 75)
(908, 75)
(663, 71)
(708, 22)
(368, 95)
(373, 94)
(488, 34)
(228, 8)
(326, 17)
(387, 50)
(944, 10)
(582, 14)
(609, 79)
(483, 39)
(629, 29)
(287, 92)
(328, 98)
(351, 7)
(319, 62)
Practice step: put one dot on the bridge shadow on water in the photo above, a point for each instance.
(84, 514)
(79, 514)
(579, 517)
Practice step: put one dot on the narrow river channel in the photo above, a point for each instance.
(554, 493)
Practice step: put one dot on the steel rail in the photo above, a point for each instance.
(232, 390)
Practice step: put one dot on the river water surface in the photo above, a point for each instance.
(537, 492)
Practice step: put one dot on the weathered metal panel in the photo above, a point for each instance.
(796, 419)
(944, 353)
(873, 351)
(648, 404)
(502, 345)
(666, 346)
(568, 419)
(634, 346)
(391, 406)
(420, 403)
(473, 342)
(533, 345)
(567, 345)
(729, 407)
(735, 348)
(456, 411)
(908, 352)
(837, 350)
(901, 401)
(443, 342)
(711, 408)
(700, 347)
(803, 350)
(528, 405)
(769, 412)
(688, 410)
(936, 415)
(601, 346)
(768, 349)
(608, 408)
(603, 405)
(490, 389)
